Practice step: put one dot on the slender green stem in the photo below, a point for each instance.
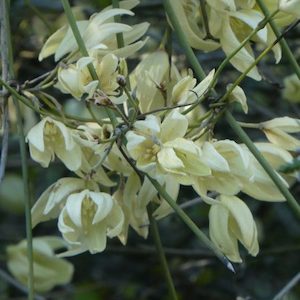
(161, 253)
(284, 45)
(194, 228)
(260, 26)
(233, 123)
(6, 27)
(84, 52)
(273, 175)
(120, 38)
(253, 64)
(183, 41)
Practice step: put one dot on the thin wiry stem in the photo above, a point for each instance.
(187, 220)
(4, 102)
(161, 253)
(5, 10)
(287, 287)
(9, 279)
(84, 52)
(284, 45)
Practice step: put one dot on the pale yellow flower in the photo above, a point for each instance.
(257, 183)
(49, 138)
(77, 80)
(231, 221)
(97, 33)
(52, 200)
(88, 137)
(48, 269)
(133, 201)
(87, 219)
(160, 148)
(228, 162)
(278, 132)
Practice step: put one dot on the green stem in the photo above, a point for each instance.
(84, 52)
(6, 28)
(233, 123)
(120, 38)
(161, 253)
(284, 45)
(194, 228)
(260, 26)
(273, 175)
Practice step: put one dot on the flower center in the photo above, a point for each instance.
(87, 214)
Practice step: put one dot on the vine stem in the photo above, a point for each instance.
(161, 253)
(6, 27)
(84, 52)
(285, 47)
(4, 102)
(230, 119)
(263, 162)
(187, 220)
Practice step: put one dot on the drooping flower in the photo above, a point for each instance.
(87, 219)
(52, 200)
(48, 269)
(278, 132)
(49, 138)
(160, 148)
(231, 221)
(77, 80)
(97, 33)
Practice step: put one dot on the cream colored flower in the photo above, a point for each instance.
(188, 12)
(48, 269)
(291, 91)
(290, 6)
(49, 138)
(160, 148)
(229, 163)
(157, 86)
(238, 95)
(89, 137)
(133, 201)
(97, 33)
(52, 200)
(231, 221)
(278, 132)
(257, 183)
(77, 80)
(87, 219)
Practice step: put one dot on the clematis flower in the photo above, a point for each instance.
(48, 269)
(77, 80)
(52, 200)
(229, 23)
(87, 219)
(132, 199)
(49, 138)
(97, 33)
(278, 132)
(228, 162)
(160, 148)
(231, 221)
(258, 183)
(88, 137)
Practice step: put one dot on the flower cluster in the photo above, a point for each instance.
(152, 124)
(229, 23)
